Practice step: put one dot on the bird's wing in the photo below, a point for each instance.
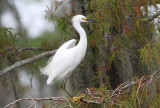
(72, 44)
(68, 44)
(60, 63)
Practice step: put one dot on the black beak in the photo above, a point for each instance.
(91, 20)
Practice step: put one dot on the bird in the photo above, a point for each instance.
(68, 56)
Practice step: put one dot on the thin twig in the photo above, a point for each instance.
(156, 72)
(118, 88)
(35, 102)
(139, 85)
(32, 106)
(68, 102)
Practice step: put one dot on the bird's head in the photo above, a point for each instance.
(81, 18)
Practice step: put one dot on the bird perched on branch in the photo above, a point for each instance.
(68, 56)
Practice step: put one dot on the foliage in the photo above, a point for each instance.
(150, 53)
(121, 20)
(7, 44)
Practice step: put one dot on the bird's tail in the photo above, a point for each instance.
(50, 80)
(47, 70)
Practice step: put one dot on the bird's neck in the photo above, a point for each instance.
(83, 39)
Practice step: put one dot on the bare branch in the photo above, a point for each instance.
(90, 102)
(36, 100)
(68, 102)
(156, 72)
(154, 16)
(26, 61)
(139, 85)
(118, 88)
(128, 85)
(59, 99)
(151, 18)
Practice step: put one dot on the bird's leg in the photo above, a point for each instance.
(63, 87)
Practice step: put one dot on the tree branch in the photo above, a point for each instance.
(152, 18)
(90, 101)
(26, 61)
(59, 99)
(37, 100)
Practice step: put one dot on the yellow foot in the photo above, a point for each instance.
(78, 98)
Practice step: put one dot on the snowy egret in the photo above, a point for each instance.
(68, 56)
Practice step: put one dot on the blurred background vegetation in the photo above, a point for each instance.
(123, 46)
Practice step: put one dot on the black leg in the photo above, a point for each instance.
(63, 86)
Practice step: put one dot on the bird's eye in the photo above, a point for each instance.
(84, 18)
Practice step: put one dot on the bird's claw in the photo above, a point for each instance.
(78, 98)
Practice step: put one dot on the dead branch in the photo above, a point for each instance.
(26, 61)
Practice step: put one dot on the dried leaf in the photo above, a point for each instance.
(137, 10)
(126, 30)
(93, 42)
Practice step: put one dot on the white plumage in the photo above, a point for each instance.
(69, 55)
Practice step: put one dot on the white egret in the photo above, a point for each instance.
(68, 56)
